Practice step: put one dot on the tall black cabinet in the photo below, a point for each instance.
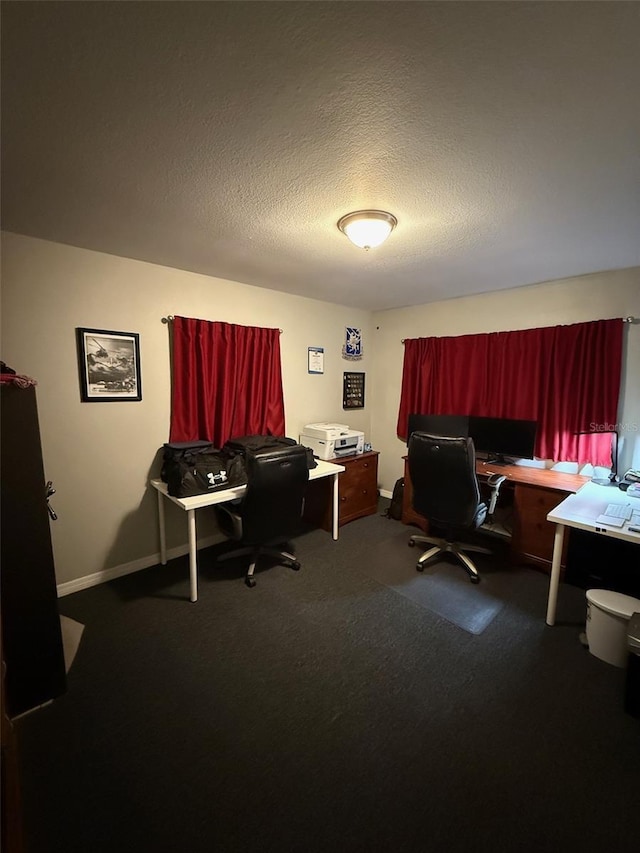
(32, 648)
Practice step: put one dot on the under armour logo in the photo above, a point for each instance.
(218, 479)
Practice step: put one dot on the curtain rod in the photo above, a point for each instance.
(624, 320)
(169, 318)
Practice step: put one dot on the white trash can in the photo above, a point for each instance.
(608, 615)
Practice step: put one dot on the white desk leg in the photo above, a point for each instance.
(163, 532)
(193, 551)
(334, 531)
(554, 580)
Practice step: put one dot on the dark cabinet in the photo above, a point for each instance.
(357, 492)
(32, 649)
(533, 535)
(358, 487)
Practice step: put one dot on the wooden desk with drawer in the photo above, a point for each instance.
(357, 492)
(535, 491)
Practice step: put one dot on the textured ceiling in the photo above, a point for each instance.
(228, 138)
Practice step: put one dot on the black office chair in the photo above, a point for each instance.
(446, 492)
(271, 508)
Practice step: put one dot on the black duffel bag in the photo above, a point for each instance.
(198, 468)
(257, 444)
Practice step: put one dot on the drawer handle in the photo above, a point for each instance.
(366, 465)
(343, 499)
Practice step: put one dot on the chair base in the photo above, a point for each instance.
(255, 552)
(444, 546)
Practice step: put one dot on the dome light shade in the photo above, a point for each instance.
(367, 228)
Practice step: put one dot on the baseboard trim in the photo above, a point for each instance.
(105, 575)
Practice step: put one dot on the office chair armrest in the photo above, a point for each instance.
(494, 482)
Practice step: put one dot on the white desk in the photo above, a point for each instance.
(581, 510)
(190, 505)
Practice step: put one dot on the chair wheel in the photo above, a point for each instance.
(474, 579)
(419, 567)
(411, 543)
(295, 566)
(250, 582)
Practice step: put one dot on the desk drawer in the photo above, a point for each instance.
(358, 487)
(357, 499)
(532, 534)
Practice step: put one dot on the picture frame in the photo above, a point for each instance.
(109, 365)
(353, 390)
(315, 360)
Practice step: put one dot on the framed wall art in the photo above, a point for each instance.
(109, 364)
(315, 360)
(353, 390)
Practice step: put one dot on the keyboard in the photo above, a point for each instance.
(618, 511)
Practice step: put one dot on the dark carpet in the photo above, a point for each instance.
(321, 711)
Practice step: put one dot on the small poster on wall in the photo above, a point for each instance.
(352, 348)
(316, 360)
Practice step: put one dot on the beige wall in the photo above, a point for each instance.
(573, 300)
(101, 455)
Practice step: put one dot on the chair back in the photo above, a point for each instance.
(276, 486)
(443, 476)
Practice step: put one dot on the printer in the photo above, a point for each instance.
(327, 441)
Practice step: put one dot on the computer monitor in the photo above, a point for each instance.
(450, 425)
(502, 437)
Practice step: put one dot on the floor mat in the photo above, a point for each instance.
(444, 587)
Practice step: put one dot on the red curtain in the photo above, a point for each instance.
(567, 378)
(227, 381)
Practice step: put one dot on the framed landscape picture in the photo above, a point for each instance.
(109, 365)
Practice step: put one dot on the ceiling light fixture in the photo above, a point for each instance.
(367, 228)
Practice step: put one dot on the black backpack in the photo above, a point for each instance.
(395, 507)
